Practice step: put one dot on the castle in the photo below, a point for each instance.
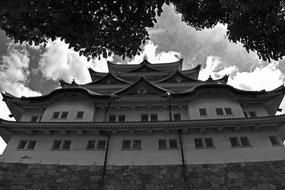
(153, 117)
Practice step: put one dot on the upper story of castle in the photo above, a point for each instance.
(145, 92)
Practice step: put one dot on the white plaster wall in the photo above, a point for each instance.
(134, 114)
(260, 150)
(211, 103)
(259, 110)
(72, 107)
(27, 115)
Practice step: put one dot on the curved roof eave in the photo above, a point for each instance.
(54, 93)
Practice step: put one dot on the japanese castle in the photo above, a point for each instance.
(145, 114)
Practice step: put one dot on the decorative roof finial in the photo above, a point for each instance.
(73, 81)
(145, 57)
(210, 78)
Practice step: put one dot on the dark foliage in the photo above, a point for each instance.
(95, 27)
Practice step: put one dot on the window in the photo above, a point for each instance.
(91, 144)
(126, 145)
(228, 111)
(112, 118)
(122, 118)
(203, 111)
(162, 143)
(56, 145)
(172, 143)
(252, 114)
(198, 143)
(31, 145)
(144, 117)
(101, 144)
(66, 145)
(234, 141)
(34, 118)
(136, 144)
(153, 117)
(209, 142)
(219, 111)
(22, 144)
(244, 141)
(177, 117)
(274, 140)
(79, 115)
(55, 115)
(64, 115)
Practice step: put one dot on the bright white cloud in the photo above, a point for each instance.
(60, 62)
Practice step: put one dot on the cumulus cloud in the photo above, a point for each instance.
(60, 62)
(14, 72)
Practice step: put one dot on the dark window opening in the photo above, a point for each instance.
(56, 144)
(252, 114)
(162, 143)
(80, 114)
(177, 117)
(55, 115)
(91, 144)
(234, 141)
(228, 111)
(66, 145)
(22, 144)
(244, 141)
(126, 145)
(198, 143)
(101, 144)
(144, 117)
(31, 145)
(122, 118)
(203, 111)
(64, 115)
(153, 117)
(172, 143)
(209, 142)
(219, 111)
(34, 118)
(136, 144)
(274, 140)
(112, 118)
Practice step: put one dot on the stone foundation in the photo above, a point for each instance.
(233, 176)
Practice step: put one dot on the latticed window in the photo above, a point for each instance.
(91, 144)
(162, 143)
(56, 144)
(234, 141)
(55, 115)
(203, 111)
(172, 143)
(34, 118)
(79, 115)
(112, 118)
(64, 115)
(252, 114)
(126, 145)
(136, 144)
(101, 144)
(274, 140)
(66, 145)
(219, 111)
(31, 145)
(198, 143)
(209, 142)
(153, 117)
(144, 117)
(22, 144)
(244, 141)
(228, 111)
(177, 117)
(122, 118)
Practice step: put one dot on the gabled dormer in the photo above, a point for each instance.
(177, 77)
(144, 68)
(142, 87)
(110, 79)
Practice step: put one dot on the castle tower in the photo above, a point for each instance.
(147, 126)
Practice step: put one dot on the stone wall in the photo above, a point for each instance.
(234, 176)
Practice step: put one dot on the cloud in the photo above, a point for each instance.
(14, 72)
(60, 62)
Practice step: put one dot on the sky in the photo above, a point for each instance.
(32, 71)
